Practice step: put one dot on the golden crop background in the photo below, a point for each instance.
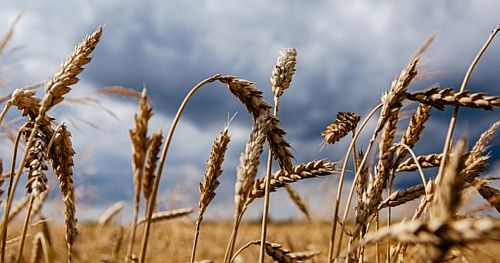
(439, 230)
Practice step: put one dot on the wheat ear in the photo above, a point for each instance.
(299, 172)
(167, 215)
(389, 115)
(210, 182)
(440, 97)
(252, 98)
(278, 253)
(62, 160)
(345, 123)
(342, 176)
(55, 88)
(246, 173)
(425, 161)
(140, 144)
(298, 201)
(151, 164)
(39, 249)
(107, 217)
(281, 78)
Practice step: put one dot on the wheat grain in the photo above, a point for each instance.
(461, 231)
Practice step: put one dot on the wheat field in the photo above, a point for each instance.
(438, 230)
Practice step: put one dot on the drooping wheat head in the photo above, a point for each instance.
(345, 123)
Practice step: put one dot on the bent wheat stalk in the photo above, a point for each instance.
(453, 119)
(154, 193)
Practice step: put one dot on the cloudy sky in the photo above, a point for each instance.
(348, 55)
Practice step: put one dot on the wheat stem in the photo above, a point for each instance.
(341, 182)
(5, 110)
(25, 229)
(234, 234)
(53, 138)
(263, 230)
(453, 119)
(156, 184)
(10, 196)
(253, 242)
(195, 239)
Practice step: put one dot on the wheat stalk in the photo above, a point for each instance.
(281, 78)
(55, 88)
(154, 193)
(140, 144)
(342, 176)
(451, 126)
(391, 104)
(210, 182)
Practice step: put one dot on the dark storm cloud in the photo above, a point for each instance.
(347, 56)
